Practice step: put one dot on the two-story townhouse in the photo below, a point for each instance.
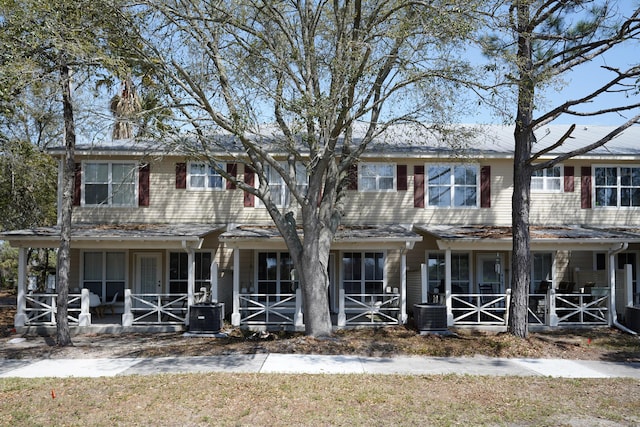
(156, 232)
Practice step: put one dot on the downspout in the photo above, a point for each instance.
(612, 289)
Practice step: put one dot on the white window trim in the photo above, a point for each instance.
(443, 253)
(206, 187)
(385, 256)
(552, 279)
(109, 202)
(279, 280)
(280, 203)
(618, 185)
(104, 267)
(475, 166)
(167, 269)
(546, 179)
(377, 189)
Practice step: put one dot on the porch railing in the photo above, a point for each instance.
(41, 309)
(148, 309)
(538, 311)
(271, 309)
(369, 309)
(580, 309)
(473, 309)
(550, 309)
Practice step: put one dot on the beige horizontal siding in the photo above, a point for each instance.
(168, 204)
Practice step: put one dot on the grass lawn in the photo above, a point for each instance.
(263, 399)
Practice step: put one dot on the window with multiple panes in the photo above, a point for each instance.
(452, 185)
(179, 271)
(617, 186)
(376, 177)
(203, 176)
(549, 179)
(275, 273)
(280, 193)
(103, 273)
(110, 184)
(460, 272)
(541, 269)
(363, 272)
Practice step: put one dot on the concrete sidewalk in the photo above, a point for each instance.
(317, 364)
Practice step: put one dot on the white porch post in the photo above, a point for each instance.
(298, 319)
(403, 287)
(424, 291)
(191, 281)
(214, 282)
(342, 317)
(552, 315)
(85, 311)
(235, 316)
(628, 285)
(447, 286)
(21, 313)
(127, 315)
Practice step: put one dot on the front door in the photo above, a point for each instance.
(490, 272)
(148, 273)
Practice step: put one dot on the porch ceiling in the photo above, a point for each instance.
(133, 236)
(479, 237)
(347, 236)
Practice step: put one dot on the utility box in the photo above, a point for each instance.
(632, 318)
(430, 317)
(206, 318)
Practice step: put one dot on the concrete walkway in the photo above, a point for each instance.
(316, 364)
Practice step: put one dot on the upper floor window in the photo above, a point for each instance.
(617, 186)
(204, 176)
(549, 179)
(280, 193)
(377, 177)
(111, 184)
(452, 185)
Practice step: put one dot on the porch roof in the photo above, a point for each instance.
(134, 235)
(353, 234)
(577, 237)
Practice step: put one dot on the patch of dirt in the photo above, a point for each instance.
(588, 344)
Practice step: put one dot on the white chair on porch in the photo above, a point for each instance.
(111, 303)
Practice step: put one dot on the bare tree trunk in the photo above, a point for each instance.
(63, 337)
(311, 256)
(521, 256)
(315, 285)
(520, 203)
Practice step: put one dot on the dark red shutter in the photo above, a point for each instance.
(568, 179)
(232, 169)
(418, 186)
(77, 185)
(585, 191)
(249, 179)
(401, 183)
(352, 176)
(181, 175)
(143, 185)
(485, 187)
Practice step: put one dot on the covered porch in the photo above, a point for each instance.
(580, 276)
(122, 275)
(366, 269)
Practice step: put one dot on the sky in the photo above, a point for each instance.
(582, 80)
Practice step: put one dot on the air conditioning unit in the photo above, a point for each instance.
(430, 317)
(206, 318)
